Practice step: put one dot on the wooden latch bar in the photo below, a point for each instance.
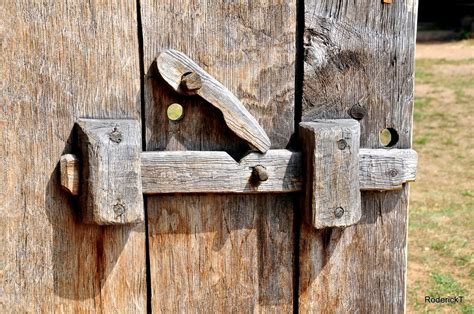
(330, 172)
(111, 173)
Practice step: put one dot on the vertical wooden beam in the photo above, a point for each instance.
(111, 182)
(221, 253)
(359, 63)
(331, 161)
(60, 61)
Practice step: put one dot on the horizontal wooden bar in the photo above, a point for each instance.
(217, 172)
(386, 169)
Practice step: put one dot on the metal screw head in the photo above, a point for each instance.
(338, 212)
(175, 112)
(341, 144)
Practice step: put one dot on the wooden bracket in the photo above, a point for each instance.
(331, 163)
(111, 188)
(329, 173)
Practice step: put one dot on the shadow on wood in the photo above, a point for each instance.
(204, 245)
(83, 255)
(349, 247)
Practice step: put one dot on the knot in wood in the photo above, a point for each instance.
(338, 212)
(115, 136)
(260, 173)
(393, 173)
(191, 81)
(341, 144)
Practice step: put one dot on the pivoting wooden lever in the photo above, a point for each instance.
(185, 76)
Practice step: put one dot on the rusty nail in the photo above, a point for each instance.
(260, 173)
(338, 212)
(119, 209)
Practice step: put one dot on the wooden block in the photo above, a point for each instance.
(111, 191)
(331, 165)
(69, 173)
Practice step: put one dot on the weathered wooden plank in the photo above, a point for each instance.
(217, 172)
(331, 166)
(221, 253)
(61, 60)
(175, 68)
(359, 59)
(111, 171)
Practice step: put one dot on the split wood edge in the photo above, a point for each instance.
(185, 76)
(217, 172)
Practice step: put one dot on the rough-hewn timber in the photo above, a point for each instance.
(111, 182)
(331, 172)
(60, 61)
(174, 66)
(359, 58)
(221, 253)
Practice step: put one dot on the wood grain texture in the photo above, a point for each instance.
(111, 171)
(387, 169)
(331, 166)
(217, 172)
(60, 61)
(173, 67)
(359, 54)
(70, 173)
(221, 253)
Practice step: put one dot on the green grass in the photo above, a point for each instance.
(445, 285)
(441, 214)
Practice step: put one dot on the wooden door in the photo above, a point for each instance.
(287, 61)
(60, 61)
(221, 253)
(359, 63)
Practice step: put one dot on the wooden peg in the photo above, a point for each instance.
(69, 173)
(191, 81)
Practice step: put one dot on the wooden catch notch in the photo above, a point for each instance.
(330, 171)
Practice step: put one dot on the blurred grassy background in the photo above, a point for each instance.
(441, 213)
